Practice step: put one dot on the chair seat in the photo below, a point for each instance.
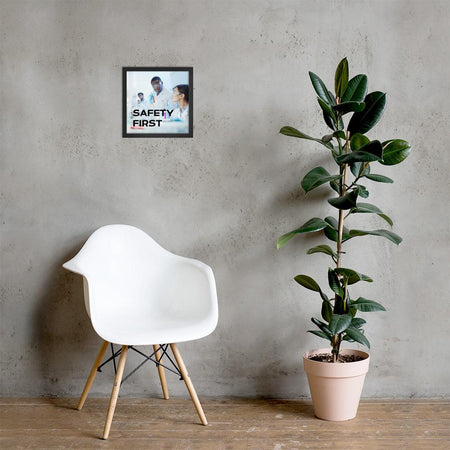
(144, 331)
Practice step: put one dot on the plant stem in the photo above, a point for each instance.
(343, 171)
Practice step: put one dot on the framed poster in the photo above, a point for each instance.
(157, 101)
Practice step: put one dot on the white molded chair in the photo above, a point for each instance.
(137, 293)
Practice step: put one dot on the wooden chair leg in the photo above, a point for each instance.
(93, 372)
(115, 391)
(189, 384)
(162, 374)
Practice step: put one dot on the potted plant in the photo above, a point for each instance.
(354, 154)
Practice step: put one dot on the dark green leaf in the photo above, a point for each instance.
(321, 334)
(362, 122)
(339, 323)
(341, 78)
(358, 167)
(356, 89)
(326, 108)
(327, 311)
(339, 134)
(347, 201)
(362, 191)
(322, 249)
(357, 156)
(290, 131)
(324, 297)
(379, 178)
(331, 231)
(357, 322)
(364, 305)
(371, 151)
(329, 121)
(347, 107)
(358, 140)
(321, 325)
(395, 151)
(371, 209)
(334, 283)
(307, 282)
(314, 224)
(351, 275)
(334, 186)
(316, 177)
(357, 336)
(320, 88)
(395, 238)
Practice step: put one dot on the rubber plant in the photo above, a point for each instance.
(354, 154)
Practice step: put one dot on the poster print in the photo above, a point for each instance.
(157, 102)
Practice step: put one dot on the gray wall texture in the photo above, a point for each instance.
(225, 195)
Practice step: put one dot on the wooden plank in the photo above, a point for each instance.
(234, 423)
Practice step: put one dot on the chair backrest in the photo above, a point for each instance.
(127, 275)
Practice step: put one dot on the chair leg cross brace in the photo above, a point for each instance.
(158, 352)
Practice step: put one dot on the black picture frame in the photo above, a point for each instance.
(149, 115)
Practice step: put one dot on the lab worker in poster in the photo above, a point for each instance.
(160, 97)
(180, 97)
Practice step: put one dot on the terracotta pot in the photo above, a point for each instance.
(336, 387)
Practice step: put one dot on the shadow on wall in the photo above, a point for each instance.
(62, 335)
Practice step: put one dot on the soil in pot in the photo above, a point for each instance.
(328, 357)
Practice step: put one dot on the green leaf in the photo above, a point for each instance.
(357, 322)
(347, 201)
(379, 178)
(358, 140)
(322, 249)
(395, 151)
(307, 282)
(364, 305)
(395, 238)
(327, 311)
(339, 323)
(339, 134)
(321, 334)
(326, 108)
(347, 107)
(335, 186)
(356, 89)
(312, 225)
(316, 177)
(362, 191)
(363, 121)
(323, 326)
(351, 275)
(334, 283)
(357, 336)
(369, 152)
(371, 209)
(341, 78)
(331, 231)
(329, 121)
(320, 88)
(290, 131)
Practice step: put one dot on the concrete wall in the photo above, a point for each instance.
(225, 195)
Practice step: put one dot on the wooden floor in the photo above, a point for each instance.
(233, 424)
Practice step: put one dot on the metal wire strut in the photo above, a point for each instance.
(163, 348)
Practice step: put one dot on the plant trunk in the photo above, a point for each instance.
(336, 347)
(337, 339)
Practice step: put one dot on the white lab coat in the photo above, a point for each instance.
(160, 101)
(181, 115)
